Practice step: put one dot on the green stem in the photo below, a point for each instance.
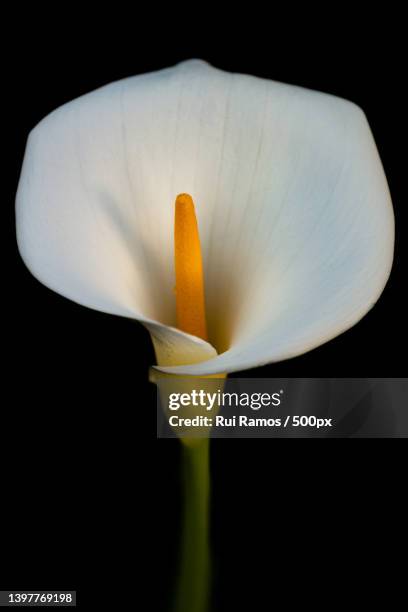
(194, 578)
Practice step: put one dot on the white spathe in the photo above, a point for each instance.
(295, 216)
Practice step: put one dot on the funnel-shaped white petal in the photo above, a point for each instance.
(295, 216)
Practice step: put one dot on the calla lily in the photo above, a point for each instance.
(295, 216)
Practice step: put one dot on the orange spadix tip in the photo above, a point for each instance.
(184, 199)
(190, 303)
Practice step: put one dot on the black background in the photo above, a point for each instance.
(89, 502)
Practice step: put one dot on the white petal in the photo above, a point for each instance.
(174, 348)
(294, 212)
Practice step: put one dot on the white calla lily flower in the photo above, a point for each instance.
(295, 216)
